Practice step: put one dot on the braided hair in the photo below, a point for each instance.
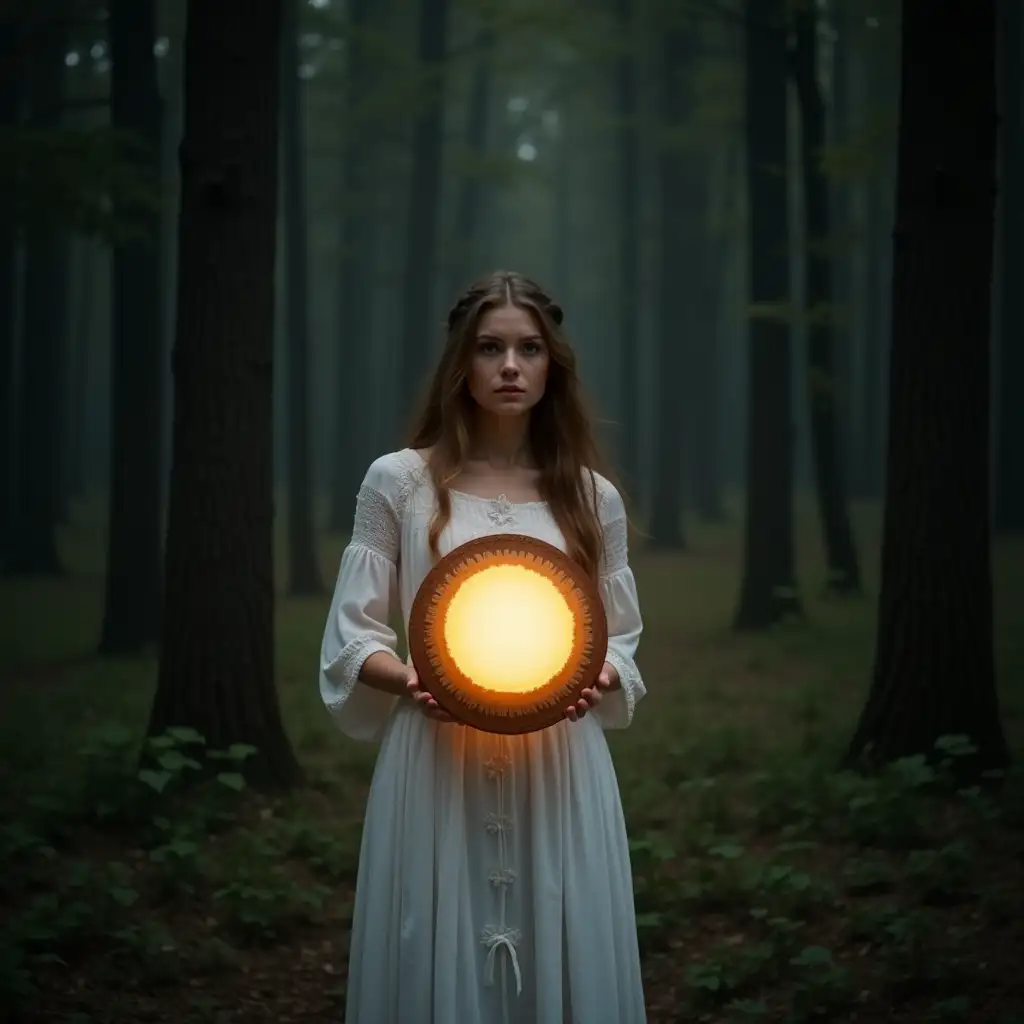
(561, 434)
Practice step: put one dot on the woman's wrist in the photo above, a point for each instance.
(383, 671)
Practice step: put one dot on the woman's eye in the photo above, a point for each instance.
(489, 348)
(531, 348)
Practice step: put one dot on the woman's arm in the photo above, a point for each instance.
(384, 672)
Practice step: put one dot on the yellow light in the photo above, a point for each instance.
(509, 629)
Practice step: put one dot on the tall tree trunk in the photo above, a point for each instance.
(45, 290)
(823, 382)
(357, 244)
(303, 572)
(418, 331)
(629, 242)
(1009, 517)
(217, 657)
(768, 590)
(464, 267)
(131, 620)
(82, 338)
(10, 101)
(934, 672)
(666, 526)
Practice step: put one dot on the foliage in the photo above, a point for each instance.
(146, 882)
(68, 177)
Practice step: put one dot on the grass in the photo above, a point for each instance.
(768, 886)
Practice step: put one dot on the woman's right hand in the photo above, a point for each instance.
(425, 701)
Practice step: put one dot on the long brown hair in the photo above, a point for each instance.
(561, 435)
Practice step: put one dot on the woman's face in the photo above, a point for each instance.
(508, 368)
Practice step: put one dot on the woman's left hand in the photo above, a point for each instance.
(607, 679)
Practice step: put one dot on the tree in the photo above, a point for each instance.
(357, 247)
(303, 572)
(134, 541)
(933, 672)
(629, 241)
(666, 506)
(217, 656)
(45, 293)
(10, 101)
(424, 204)
(822, 378)
(1009, 517)
(768, 591)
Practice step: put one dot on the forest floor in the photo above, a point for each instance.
(769, 887)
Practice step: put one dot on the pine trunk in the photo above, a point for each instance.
(629, 252)
(303, 571)
(768, 592)
(420, 338)
(666, 525)
(934, 673)
(217, 658)
(1009, 517)
(132, 610)
(37, 491)
(823, 383)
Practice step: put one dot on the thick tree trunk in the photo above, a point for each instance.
(666, 525)
(420, 337)
(10, 98)
(629, 242)
(357, 244)
(464, 265)
(131, 620)
(45, 291)
(934, 672)
(217, 658)
(303, 571)
(1009, 512)
(823, 382)
(768, 590)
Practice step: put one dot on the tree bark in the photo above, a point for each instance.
(933, 673)
(1009, 517)
(10, 102)
(131, 620)
(768, 591)
(357, 245)
(419, 335)
(45, 293)
(217, 658)
(823, 383)
(464, 268)
(666, 526)
(303, 571)
(629, 241)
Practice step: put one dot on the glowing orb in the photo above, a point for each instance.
(505, 632)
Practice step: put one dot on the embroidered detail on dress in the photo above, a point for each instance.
(507, 938)
(497, 823)
(497, 766)
(615, 556)
(501, 511)
(629, 678)
(502, 877)
(348, 663)
(376, 524)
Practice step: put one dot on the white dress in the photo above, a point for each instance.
(494, 882)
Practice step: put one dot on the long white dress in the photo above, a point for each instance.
(494, 882)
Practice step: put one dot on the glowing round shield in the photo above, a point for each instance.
(505, 633)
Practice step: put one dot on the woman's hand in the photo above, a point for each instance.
(607, 679)
(424, 701)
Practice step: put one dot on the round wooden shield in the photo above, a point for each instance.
(505, 633)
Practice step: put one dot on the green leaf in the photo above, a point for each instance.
(232, 780)
(155, 780)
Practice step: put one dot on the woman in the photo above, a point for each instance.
(494, 880)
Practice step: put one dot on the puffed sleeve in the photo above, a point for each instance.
(622, 607)
(357, 625)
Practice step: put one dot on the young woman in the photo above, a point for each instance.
(494, 879)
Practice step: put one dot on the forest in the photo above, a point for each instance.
(785, 235)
